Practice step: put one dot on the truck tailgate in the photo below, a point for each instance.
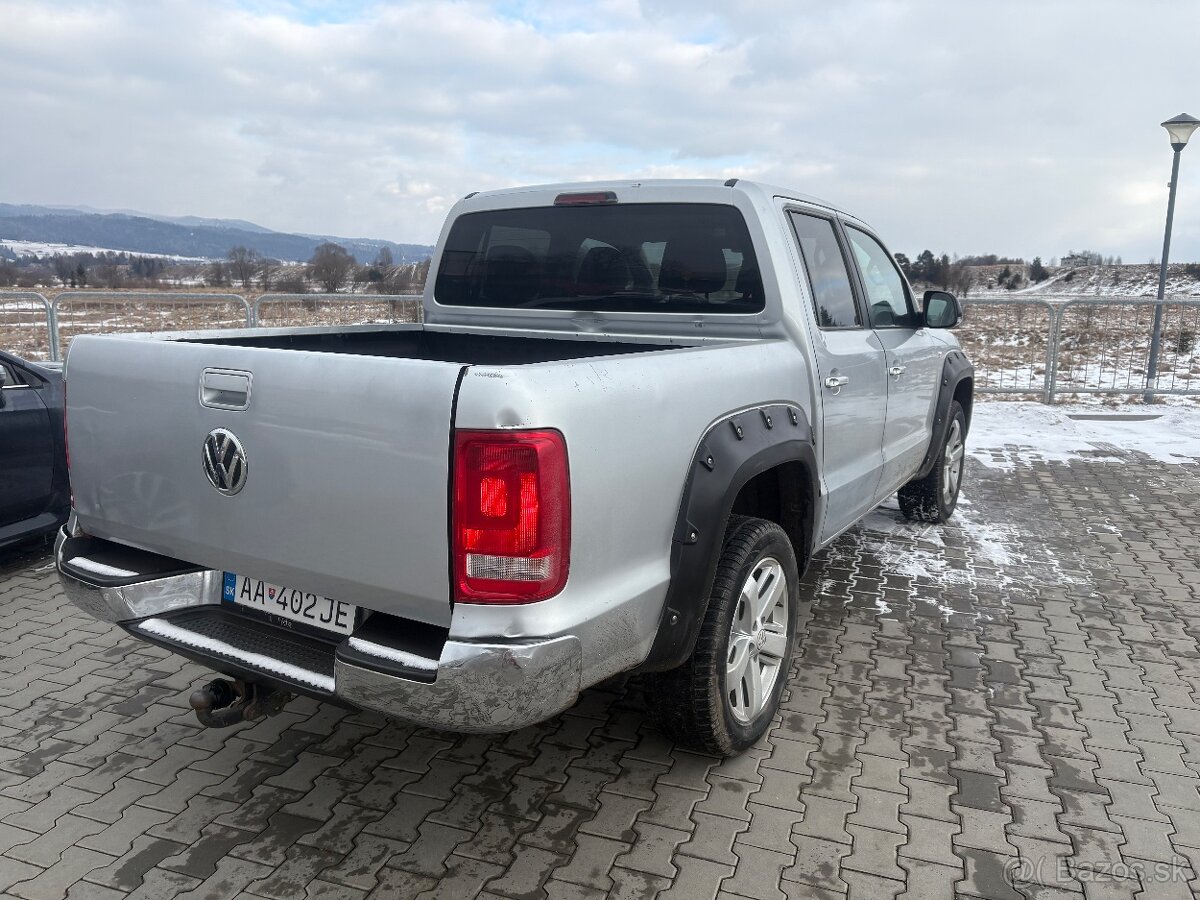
(347, 465)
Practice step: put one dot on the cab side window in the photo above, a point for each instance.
(828, 278)
(888, 297)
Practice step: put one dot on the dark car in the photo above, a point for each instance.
(35, 495)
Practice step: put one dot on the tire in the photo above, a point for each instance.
(697, 704)
(934, 497)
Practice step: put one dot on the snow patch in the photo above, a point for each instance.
(391, 653)
(98, 568)
(1005, 435)
(42, 249)
(165, 629)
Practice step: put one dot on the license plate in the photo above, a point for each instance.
(290, 603)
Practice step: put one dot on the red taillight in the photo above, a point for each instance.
(511, 516)
(67, 445)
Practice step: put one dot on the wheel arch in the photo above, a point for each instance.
(957, 383)
(757, 462)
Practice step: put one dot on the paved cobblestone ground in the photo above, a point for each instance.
(1008, 700)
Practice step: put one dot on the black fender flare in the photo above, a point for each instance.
(732, 451)
(956, 368)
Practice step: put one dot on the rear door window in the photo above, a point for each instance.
(828, 277)
(661, 257)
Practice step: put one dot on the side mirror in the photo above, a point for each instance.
(942, 309)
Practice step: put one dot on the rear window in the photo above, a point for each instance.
(661, 257)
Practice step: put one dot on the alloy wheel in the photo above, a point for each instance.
(757, 640)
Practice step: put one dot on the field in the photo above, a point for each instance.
(23, 328)
(1102, 343)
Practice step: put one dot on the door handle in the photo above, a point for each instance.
(896, 371)
(836, 382)
(225, 389)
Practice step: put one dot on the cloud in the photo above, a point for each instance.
(949, 125)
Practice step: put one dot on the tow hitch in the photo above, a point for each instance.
(222, 703)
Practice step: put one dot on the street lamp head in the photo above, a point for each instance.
(1180, 129)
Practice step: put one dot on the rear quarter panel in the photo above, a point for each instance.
(632, 425)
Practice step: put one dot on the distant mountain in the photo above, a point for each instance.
(56, 210)
(190, 236)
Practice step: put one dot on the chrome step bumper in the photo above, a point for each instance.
(474, 686)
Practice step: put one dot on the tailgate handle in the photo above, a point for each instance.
(225, 389)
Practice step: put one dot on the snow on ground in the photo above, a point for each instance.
(945, 563)
(1007, 434)
(44, 248)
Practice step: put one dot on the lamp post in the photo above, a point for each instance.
(1180, 129)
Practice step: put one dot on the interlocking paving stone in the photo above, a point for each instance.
(1013, 698)
(53, 882)
(592, 862)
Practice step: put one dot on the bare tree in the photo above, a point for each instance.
(243, 264)
(64, 268)
(267, 270)
(217, 274)
(331, 266)
(383, 271)
(111, 275)
(962, 279)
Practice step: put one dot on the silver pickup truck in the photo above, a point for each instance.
(631, 414)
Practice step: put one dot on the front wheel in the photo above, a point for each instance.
(722, 699)
(934, 497)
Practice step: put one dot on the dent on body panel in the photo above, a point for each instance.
(484, 689)
(147, 499)
(621, 637)
(506, 399)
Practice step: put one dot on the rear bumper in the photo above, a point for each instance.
(475, 686)
(478, 687)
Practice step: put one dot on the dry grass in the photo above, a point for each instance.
(1101, 347)
(23, 321)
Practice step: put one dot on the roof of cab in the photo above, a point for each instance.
(681, 184)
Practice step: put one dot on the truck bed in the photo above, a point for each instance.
(457, 346)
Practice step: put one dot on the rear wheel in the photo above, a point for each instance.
(934, 497)
(722, 699)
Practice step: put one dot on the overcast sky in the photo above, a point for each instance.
(1013, 127)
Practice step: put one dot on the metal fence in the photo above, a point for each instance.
(27, 325)
(36, 328)
(1104, 347)
(1043, 347)
(90, 312)
(1081, 345)
(1011, 344)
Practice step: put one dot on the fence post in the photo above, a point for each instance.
(252, 311)
(1056, 316)
(249, 310)
(52, 327)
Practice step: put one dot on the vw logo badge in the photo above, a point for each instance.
(224, 461)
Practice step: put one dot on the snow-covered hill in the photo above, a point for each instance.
(1183, 280)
